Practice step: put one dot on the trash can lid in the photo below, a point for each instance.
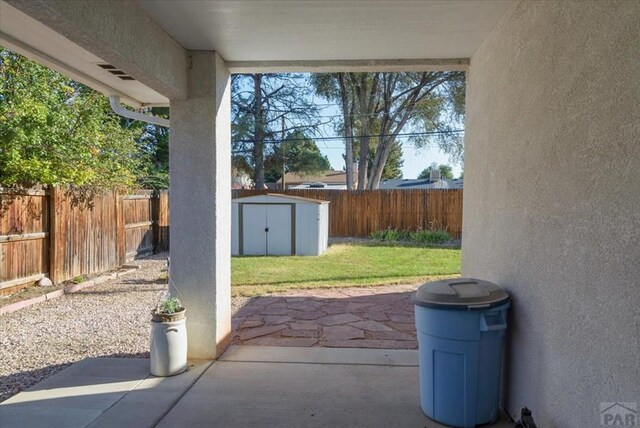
(460, 293)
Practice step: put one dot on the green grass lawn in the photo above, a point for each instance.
(343, 266)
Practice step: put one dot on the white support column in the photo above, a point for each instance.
(200, 203)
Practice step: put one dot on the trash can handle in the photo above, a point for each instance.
(492, 325)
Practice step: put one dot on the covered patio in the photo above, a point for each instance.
(247, 386)
(551, 203)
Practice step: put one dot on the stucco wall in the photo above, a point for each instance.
(552, 201)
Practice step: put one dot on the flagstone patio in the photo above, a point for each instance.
(380, 317)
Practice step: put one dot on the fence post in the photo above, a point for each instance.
(163, 220)
(54, 236)
(120, 232)
(155, 218)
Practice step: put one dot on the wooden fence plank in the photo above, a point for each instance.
(24, 237)
(162, 222)
(121, 245)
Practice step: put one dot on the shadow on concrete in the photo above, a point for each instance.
(15, 383)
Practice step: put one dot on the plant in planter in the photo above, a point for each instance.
(168, 338)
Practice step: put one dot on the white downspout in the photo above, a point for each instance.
(114, 100)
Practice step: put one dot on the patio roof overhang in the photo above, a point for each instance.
(149, 41)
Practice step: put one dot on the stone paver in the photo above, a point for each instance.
(277, 319)
(376, 317)
(338, 319)
(402, 326)
(342, 332)
(252, 323)
(372, 326)
(299, 333)
(304, 325)
(401, 318)
(260, 331)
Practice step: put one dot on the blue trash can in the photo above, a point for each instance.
(461, 325)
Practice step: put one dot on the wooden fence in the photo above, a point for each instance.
(358, 213)
(43, 234)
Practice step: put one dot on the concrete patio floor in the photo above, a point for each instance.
(249, 386)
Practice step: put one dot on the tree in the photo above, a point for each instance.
(153, 142)
(265, 107)
(296, 153)
(446, 171)
(384, 104)
(393, 167)
(56, 132)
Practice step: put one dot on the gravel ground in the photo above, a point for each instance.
(108, 320)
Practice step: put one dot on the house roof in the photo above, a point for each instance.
(407, 184)
(280, 196)
(330, 177)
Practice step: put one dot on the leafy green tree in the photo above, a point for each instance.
(153, 143)
(56, 132)
(385, 104)
(296, 153)
(446, 171)
(393, 166)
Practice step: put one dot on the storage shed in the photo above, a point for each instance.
(279, 225)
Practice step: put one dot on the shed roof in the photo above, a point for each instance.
(282, 197)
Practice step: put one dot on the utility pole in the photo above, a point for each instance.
(284, 156)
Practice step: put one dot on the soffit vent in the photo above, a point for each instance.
(118, 73)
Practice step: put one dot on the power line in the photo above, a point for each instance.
(340, 137)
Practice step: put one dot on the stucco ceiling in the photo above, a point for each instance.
(271, 30)
(29, 37)
(298, 35)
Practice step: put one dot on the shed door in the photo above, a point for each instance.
(266, 229)
(279, 230)
(254, 222)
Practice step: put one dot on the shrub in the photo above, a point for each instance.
(435, 236)
(430, 237)
(389, 234)
(377, 234)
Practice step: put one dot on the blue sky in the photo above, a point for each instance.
(414, 160)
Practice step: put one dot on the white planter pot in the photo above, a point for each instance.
(168, 346)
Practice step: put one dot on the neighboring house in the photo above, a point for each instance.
(332, 179)
(408, 184)
(319, 185)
